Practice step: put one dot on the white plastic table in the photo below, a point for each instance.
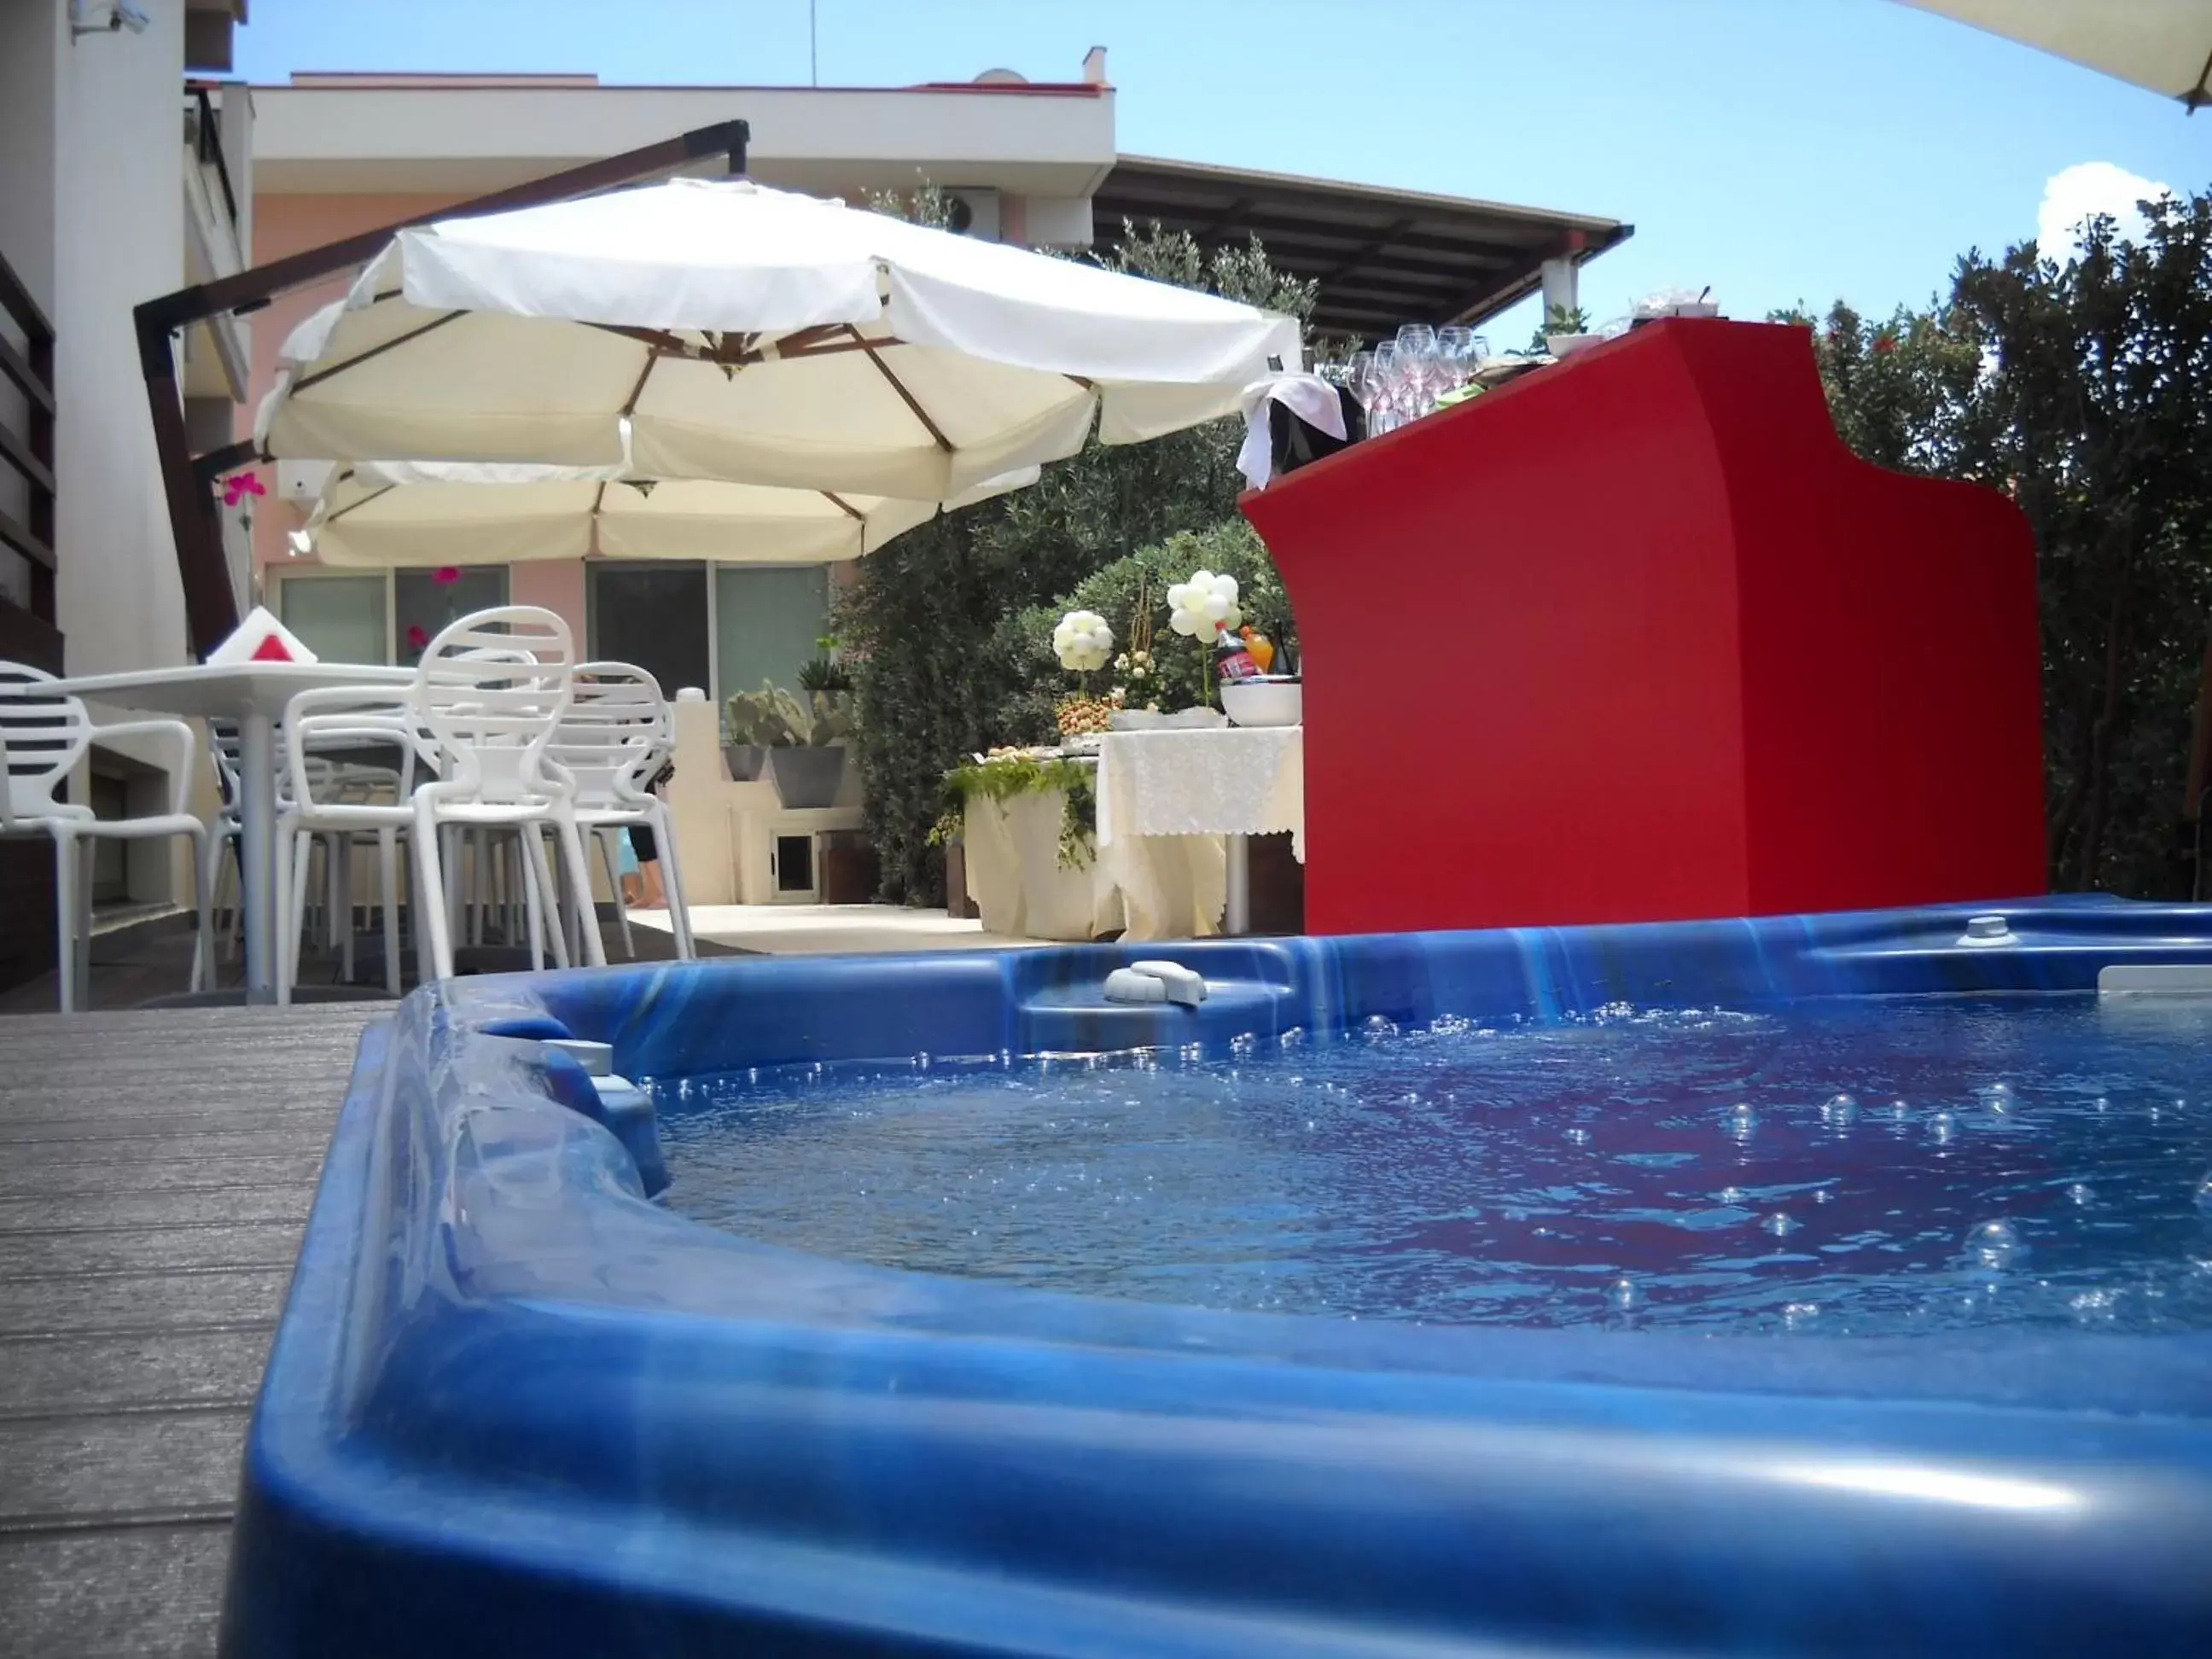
(254, 693)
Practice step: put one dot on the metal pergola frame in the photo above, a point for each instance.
(188, 479)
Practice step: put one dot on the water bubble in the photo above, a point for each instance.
(1293, 1038)
(1579, 1137)
(2000, 1099)
(1378, 1030)
(1244, 1043)
(2104, 1103)
(1824, 1195)
(1741, 1119)
(921, 1060)
(1941, 1127)
(2082, 1194)
(1781, 1224)
(2204, 1194)
(1839, 1111)
(1898, 1110)
(1623, 1295)
(1796, 1315)
(1731, 1194)
(2094, 1307)
(1994, 1243)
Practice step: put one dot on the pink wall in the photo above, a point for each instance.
(285, 224)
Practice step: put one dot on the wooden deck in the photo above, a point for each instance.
(155, 1171)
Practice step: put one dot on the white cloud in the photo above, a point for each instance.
(2075, 193)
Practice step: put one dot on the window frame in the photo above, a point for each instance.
(300, 571)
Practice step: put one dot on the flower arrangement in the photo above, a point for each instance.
(1204, 607)
(1083, 642)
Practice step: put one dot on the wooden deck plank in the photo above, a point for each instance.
(99, 1304)
(160, 1592)
(155, 1168)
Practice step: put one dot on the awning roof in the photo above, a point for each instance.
(1381, 257)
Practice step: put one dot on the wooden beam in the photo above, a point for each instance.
(210, 607)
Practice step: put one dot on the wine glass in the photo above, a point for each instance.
(1417, 358)
(1390, 385)
(1359, 376)
(1453, 343)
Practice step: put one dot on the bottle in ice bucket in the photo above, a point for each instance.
(1233, 658)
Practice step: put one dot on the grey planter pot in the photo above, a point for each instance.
(745, 760)
(807, 776)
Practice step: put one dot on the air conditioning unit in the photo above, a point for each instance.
(303, 481)
(975, 213)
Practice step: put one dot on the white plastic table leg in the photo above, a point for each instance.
(257, 812)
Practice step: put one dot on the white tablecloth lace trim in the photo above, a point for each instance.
(1236, 780)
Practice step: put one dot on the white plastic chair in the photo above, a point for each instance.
(42, 736)
(225, 835)
(492, 718)
(334, 801)
(614, 739)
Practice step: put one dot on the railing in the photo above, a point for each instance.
(28, 632)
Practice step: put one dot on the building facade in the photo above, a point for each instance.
(124, 173)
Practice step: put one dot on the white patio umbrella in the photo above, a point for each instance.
(2164, 44)
(397, 513)
(755, 335)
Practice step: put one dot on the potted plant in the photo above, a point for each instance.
(744, 741)
(804, 737)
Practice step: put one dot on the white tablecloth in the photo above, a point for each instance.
(1016, 877)
(1149, 887)
(1229, 781)
(1166, 801)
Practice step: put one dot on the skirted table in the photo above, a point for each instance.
(1174, 811)
(1174, 808)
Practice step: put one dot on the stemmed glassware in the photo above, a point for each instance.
(1403, 377)
(1359, 377)
(1460, 350)
(1420, 372)
(1389, 412)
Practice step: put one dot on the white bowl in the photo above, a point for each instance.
(1266, 700)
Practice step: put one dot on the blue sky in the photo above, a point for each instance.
(1778, 149)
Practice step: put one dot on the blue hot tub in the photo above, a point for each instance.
(516, 1405)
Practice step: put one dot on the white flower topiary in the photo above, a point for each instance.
(1083, 642)
(1203, 607)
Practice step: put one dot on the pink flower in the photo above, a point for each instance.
(446, 575)
(417, 636)
(1885, 342)
(238, 485)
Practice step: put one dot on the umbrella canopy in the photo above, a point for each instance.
(384, 513)
(2164, 44)
(755, 335)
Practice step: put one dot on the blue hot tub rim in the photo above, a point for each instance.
(497, 1350)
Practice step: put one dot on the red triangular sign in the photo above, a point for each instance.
(271, 649)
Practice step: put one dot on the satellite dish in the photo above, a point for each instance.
(1002, 77)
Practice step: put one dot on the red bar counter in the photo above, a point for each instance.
(1635, 638)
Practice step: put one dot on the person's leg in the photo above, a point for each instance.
(633, 883)
(648, 866)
